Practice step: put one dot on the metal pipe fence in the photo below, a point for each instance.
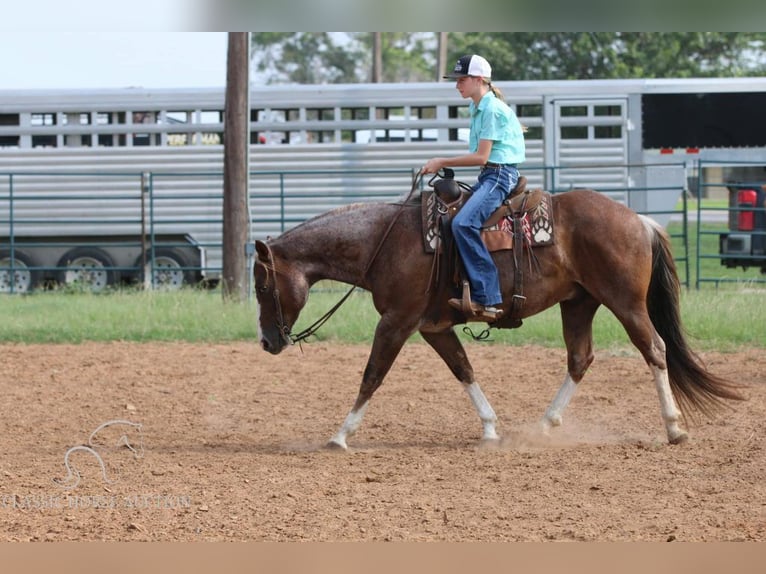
(164, 229)
(730, 238)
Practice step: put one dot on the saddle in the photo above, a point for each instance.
(523, 220)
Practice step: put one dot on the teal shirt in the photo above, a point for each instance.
(493, 120)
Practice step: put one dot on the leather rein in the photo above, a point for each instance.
(270, 267)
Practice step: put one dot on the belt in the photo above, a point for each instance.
(497, 165)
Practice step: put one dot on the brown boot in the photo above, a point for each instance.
(477, 312)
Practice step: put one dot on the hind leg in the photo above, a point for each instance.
(449, 348)
(651, 346)
(577, 321)
(671, 414)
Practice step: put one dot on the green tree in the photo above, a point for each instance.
(607, 55)
(324, 57)
(306, 57)
(407, 56)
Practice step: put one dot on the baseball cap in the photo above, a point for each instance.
(471, 65)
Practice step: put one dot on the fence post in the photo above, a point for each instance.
(146, 263)
(12, 269)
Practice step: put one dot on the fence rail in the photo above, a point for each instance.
(162, 229)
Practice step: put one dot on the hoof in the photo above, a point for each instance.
(679, 439)
(335, 446)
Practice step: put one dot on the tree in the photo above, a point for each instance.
(307, 57)
(328, 58)
(405, 56)
(608, 55)
(322, 57)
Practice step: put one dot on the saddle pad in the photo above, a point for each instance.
(432, 212)
(538, 225)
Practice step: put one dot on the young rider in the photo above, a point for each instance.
(496, 143)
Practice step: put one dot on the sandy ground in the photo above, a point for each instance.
(230, 448)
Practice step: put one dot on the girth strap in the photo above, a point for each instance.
(518, 299)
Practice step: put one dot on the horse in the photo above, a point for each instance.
(604, 254)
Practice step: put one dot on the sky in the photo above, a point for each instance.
(58, 59)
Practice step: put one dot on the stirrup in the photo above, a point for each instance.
(477, 312)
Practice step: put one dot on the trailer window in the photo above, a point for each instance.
(703, 120)
(43, 119)
(574, 132)
(574, 111)
(607, 132)
(9, 119)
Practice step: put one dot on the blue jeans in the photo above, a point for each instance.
(489, 192)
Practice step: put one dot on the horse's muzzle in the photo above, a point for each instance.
(275, 341)
(272, 347)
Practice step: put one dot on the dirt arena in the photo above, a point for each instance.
(230, 448)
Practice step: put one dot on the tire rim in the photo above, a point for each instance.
(167, 273)
(87, 271)
(21, 280)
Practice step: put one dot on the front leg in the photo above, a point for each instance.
(349, 426)
(390, 336)
(449, 348)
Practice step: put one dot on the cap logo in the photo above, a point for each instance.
(470, 65)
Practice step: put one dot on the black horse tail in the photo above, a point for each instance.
(693, 386)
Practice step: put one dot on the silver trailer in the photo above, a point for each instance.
(103, 186)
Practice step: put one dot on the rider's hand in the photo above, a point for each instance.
(433, 165)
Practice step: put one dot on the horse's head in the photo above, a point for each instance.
(282, 291)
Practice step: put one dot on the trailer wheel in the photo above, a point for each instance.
(23, 279)
(171, 269)
(88, 267)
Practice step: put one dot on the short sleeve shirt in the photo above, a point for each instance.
(493, 120)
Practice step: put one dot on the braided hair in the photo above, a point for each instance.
(495, 90)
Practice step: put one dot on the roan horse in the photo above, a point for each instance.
(604, 254)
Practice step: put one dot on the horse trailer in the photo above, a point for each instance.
(103, 186)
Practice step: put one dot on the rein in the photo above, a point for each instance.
(314, 327)
(284, 330)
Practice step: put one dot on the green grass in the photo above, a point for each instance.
(729, 310)
(715, 319)
(188, 315)
(707, 203)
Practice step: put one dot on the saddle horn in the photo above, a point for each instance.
(446, 188)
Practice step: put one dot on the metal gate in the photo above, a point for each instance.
(592, 133)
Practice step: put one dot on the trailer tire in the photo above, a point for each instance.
(171, 269)
(24, 279)
(90, 267)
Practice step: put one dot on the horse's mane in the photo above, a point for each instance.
(325, 219)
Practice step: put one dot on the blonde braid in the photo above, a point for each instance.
(499, 95)
(495, 90)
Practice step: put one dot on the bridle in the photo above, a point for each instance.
(284, 331)
(271, 271)
(270, 268)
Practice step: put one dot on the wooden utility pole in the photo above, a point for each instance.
(441, 65)
(377, 58)
(235, 149)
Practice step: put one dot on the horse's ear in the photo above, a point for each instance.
(262, 250)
